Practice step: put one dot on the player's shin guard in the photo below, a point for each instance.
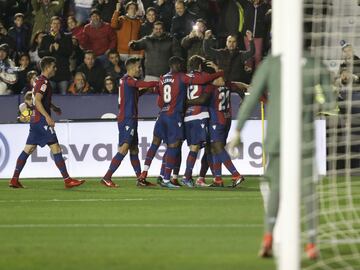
(20, 163)
(135, 163)
(177, 166)
(217, 165)
(204, 165)
(60, 163)
(226, 160)
(171, 159)
(115, 163)
(150, 155)
(190, 162)
(163, 164)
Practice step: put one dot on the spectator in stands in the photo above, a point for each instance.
(98, 36)
(6, 39)
(74, 28)
(59, 45)
(24, 67)
(257, 17)
(198, 8)
(230, 21)
(193, 42)
(165, 11)
(77, 56)
(7, 71)
(349, 59)
(109, 86)
(94, 72)
(106, 8)
(20, 33)
(34, 49)
(115, 67)
(82, 10)
(43, 11)
(80, 86)
(181, 23)
(230, 59)
(127, 28)
(147, 27)
(158, 47)
(30, 80)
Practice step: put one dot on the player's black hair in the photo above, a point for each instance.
(207, 69)
(176, 64)
(46, 61)
(196, 61)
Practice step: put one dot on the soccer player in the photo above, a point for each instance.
(219, 126)
(127, 121)
(42, 126)
(267, 77)
(196, 117)
(169, 126)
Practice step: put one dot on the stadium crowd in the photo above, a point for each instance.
(92, 39)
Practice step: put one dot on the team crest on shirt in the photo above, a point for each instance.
(43, 88)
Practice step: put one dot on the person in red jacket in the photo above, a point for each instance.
(98, 36)
(127, 28)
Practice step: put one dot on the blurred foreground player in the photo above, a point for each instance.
(316, 90)
(42, 126)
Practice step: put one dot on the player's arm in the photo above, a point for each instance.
(202, 78)
(201, 100)
(239, 86)
(56, 109)
(142, 84)
(39, 106)
(147, 90)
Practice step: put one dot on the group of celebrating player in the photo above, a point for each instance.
(194, 106)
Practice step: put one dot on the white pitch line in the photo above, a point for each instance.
(128, 199)
(146, 225)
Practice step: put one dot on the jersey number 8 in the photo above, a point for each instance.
(167, 93)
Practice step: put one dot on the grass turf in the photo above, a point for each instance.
(94, 227)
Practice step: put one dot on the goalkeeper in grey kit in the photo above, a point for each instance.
(316, 89)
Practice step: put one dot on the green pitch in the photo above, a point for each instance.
(93, 227)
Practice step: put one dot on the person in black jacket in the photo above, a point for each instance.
(158, 47)
(59, 45)
(20, 33)
(230, 58)
(165, 12)
(94, 71)
(147, 27)
(257, 18)
(181, 23)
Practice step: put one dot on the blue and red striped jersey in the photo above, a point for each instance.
(129, 96)
(172, 93)
(42, 86)
(220, 103)
(195, 90)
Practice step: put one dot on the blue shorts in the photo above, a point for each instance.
(169, 128)
(219, 132)
(196, 132)
(41, 134)
(128, 132)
